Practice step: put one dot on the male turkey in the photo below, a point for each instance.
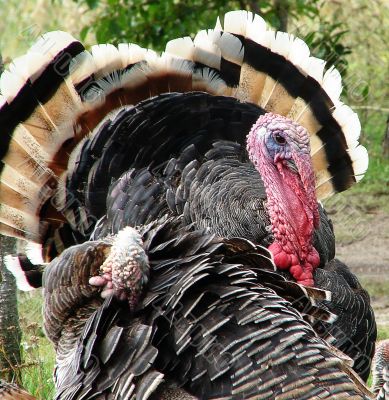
(92, 136)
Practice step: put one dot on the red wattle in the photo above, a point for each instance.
(302, 272)
(314, 257)
(281, 258)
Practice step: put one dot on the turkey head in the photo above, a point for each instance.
(125, 271)
(280, 150)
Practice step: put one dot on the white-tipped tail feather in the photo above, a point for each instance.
(13, 265)
(34, 253)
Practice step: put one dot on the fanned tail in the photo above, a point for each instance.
(55, 97)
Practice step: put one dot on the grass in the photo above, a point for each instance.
(378, 290)
(372, 192)
(379, 295)
(38, 355)
(357, 206)
(383, 332)
(376, 287)
(376, 180)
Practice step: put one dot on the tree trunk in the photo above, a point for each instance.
(10, 333)
(253, 6)
(281, 8)
(385, 141)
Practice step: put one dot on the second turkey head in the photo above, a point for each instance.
(280, 150)
(125, 272)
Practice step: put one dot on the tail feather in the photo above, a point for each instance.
(20, 221)
(8, 230)
(205, 50)
(107, 58)
(58, 93)
(34, 253)
(39, 104)
(28, 275)
(181, 47)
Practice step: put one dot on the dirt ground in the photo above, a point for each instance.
(362, 238)
(368, 254)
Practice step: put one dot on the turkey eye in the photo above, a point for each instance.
(279, 139)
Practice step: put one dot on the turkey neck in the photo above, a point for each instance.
(289, 209)
(293, 211)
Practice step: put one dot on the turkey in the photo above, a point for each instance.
(380, 369)
(239, 131)
(64, 146)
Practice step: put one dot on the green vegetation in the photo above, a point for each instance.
(38, 355)
(377, 287)
(377, 177)
(152, 24)
(383, 332)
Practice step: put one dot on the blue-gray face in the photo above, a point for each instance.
(277, 144)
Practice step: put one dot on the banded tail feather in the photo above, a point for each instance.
(58, 94)
(28, 276)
